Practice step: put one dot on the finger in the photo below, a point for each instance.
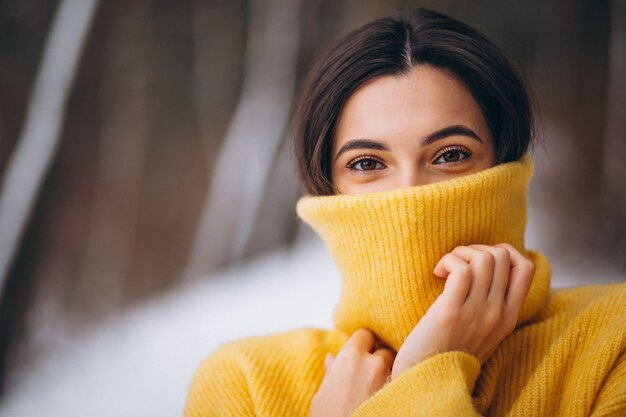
(387, 355)
(501, 272)
(458, 279)
(520, 277)
(363, 339)
(328, 362)
(482, 267)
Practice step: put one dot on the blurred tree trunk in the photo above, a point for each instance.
(119, 169)
(253, 138)
(36, 150)
(219, 29)
(38, 143)
(23, 33)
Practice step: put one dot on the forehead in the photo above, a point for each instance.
(416, 103)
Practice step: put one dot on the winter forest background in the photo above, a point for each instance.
(147, 187)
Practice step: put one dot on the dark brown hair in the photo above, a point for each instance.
(393, 45)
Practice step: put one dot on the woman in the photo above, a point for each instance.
(411, 135)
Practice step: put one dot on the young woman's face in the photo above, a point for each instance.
(407, 130)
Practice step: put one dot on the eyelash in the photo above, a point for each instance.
(353, 162)
(462, 150)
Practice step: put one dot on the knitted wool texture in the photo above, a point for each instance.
(564, 359)
(387, 244)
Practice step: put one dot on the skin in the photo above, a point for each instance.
(399, 116)
(407, 130)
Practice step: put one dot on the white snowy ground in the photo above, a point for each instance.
(141, 363)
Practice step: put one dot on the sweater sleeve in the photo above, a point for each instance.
(219, 388)
(439, 386)
(611, 400)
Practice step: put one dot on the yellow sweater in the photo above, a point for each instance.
(565, 358)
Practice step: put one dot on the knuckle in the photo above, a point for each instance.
(527, 270)
(458, 249)
(377, 364)
(505, 246)
(501, 253)
(485, 259)
(364, 330)
(465, 270)
(361, 332)
(448, 257)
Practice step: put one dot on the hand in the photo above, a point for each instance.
(479, 306)
(352, 376)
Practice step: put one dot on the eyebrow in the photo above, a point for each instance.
(454, 130)
(361, 144)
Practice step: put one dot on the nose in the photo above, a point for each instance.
(410, 176)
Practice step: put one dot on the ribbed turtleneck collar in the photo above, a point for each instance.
(386, 244)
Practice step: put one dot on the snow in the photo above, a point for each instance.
(141, 363)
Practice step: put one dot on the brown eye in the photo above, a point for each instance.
(365, 164)
(450, 156)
